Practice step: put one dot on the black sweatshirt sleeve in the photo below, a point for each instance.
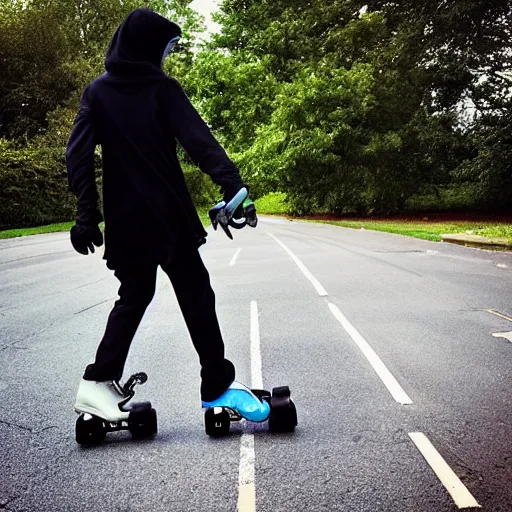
(80, 165)
(197, 140)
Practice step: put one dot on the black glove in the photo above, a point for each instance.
(85, 236)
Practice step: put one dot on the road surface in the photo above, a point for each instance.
(403, 393)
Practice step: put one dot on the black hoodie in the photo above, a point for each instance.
(137, 113)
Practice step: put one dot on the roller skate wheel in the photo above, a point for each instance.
(261, 393)
(283, 415)
(142, 422)
(281, 392)
(217, 422)
(89, 430)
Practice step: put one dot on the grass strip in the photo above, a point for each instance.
(429, 230)
(419, 229)
(275, 204)
(49, 228)
(66, 226)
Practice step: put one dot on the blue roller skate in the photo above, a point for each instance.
(238, 213)
(258, 405)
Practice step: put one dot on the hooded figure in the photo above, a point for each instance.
(136, 113)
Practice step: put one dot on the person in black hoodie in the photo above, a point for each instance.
(136, 113)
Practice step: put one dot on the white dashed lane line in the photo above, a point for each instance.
(380, 368)
(246, 478)
(312, 279)
(397, 392)
(256, 373)
(246, 485)
(458, 491)
(234, 258)
(497, 313)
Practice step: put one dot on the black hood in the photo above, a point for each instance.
(139, 43)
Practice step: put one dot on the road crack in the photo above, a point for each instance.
(30, 336)
(94, 305)
(15, 425)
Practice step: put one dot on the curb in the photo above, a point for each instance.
(478, 241)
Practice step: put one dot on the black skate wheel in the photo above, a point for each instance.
(89, 430)
(217, 423)
(140, 407)
(283, 415)
(262, 394)
(281, 391)
(142, 422)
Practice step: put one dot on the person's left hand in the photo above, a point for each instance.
(84, 238)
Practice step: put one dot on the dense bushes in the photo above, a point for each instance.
(33, 187)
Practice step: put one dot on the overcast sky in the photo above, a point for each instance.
(206, 7)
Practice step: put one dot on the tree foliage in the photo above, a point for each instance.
(439, 101)
(347, 106)
(49, 51)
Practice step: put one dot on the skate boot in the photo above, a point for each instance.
(103, 407)
(243, 402)
(240, 402)
(102, 399)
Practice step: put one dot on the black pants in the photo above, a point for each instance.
(191, 284)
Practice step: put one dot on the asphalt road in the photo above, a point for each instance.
(337, 309)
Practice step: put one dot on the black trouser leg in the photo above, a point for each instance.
(191, 284)
(135, 293)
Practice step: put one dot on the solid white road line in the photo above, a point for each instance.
(246, 480)
(246, 487)
(235, 256)
(380, 368)
(318, 287)
(458, 491)
(506, 335)
(256, 374)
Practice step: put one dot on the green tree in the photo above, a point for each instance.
(50, 49)
(432, 64)
(34, 78)
(313, 145)
(234, 94)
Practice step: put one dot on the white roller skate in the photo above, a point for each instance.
(102, 408)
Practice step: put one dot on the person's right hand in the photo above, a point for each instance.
(84, 238)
